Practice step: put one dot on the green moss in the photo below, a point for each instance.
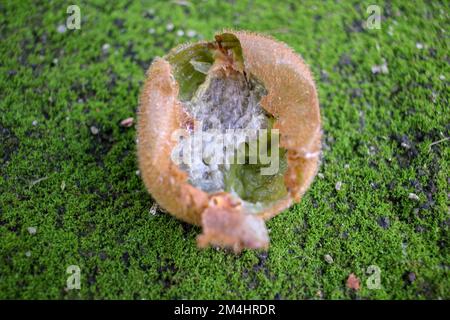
(381, 125)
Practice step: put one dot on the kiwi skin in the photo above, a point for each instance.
(291, 99)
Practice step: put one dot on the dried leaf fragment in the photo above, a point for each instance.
(128, 122)
(353, 282)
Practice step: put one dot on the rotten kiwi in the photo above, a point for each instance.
(244, 82)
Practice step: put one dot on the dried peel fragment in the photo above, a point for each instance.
(225, 224)
(240, 80)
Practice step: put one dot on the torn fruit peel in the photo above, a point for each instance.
(242, 83)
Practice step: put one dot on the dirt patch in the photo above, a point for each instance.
(10, 144)
(101, 143)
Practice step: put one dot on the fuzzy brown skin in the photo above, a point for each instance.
(160, 114)
(292, 99)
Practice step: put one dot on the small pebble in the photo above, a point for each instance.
(411, 277)
(328, 258)
(405, 145)
(419, 45)
(413, 196)
(375, 69)
(153, 209)
(338, 185)
(94, 130)
(380, 68)
(384, 222)
(105, 47)
(150, 13)
(442, 77)
(61, 28)
(170, 27)
(191, 33)
(182, 2)
(420, 229)
(32, 230)
(138, 172)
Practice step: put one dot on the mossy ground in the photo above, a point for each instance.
(90, 209)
